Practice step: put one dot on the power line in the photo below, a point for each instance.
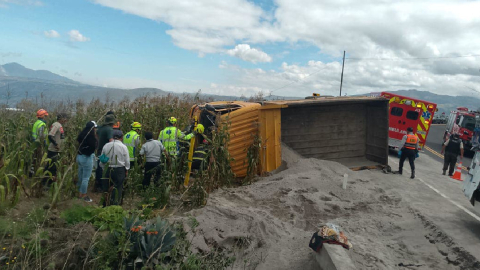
(412, 58)
(381, 59)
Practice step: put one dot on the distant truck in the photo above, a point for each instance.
(407, 112)
(461, 122)
(440, 119)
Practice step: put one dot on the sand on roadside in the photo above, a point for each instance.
(268, 224)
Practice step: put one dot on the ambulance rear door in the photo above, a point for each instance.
(396, 125)
(412, 119)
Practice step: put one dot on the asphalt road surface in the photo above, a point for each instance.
(441, 199)
(434, 145)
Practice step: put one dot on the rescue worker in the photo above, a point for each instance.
(116, 125)
(409, 150)
(170, 136)
(132, 141)
(40, 130)
(452, 148)
(199, 156)
(39, 137)
(200, 152)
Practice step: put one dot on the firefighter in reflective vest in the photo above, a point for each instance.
(200, 154)
(170, 135)
(40, 130)
(409, 150)
(132, 141)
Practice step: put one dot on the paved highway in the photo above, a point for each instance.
(434, 145)
(441, 198)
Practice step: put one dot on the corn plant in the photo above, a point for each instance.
(253, 159)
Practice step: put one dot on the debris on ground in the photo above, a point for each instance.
(329, 234)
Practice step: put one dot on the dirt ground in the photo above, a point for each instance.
(268, 224)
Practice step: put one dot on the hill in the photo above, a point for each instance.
(18, 82)
(17, 70)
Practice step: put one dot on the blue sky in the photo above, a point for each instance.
(241, 47)
(120, 44)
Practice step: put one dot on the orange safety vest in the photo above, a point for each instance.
(411, 142)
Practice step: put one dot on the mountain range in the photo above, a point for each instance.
(18, 82)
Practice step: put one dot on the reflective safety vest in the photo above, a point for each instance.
(169, 138)
(199, 156)
(411, 142)
(132, 141)
(36, 128)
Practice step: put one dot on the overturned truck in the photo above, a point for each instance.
(350, 130)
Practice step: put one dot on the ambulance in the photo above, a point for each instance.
(405, 112)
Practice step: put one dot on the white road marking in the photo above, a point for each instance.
(446, 197)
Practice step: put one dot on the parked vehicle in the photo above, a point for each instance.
(461, 122)
(476, 131)
(471, 183)
(440, 119)
(407, 112)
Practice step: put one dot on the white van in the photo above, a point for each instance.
(471, 187)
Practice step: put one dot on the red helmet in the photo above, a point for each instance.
(42, 113)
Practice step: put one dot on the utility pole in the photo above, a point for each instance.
(341, 79)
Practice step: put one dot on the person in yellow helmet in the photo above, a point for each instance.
(199, 129)
(170, 136)
(201, 151)
(132, 141)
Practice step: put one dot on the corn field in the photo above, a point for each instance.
(17, 149)
(28, 241)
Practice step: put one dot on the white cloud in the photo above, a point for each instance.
(244, 52)
(10, 54)
(365, 29)
(51, 34)
(203, 26)
(4, 3)
(360, 77)
(75, 36)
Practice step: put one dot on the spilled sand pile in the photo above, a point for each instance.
(268, 224)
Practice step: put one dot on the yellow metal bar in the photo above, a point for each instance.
(190, 156)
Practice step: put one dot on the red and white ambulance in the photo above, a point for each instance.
(405, 112)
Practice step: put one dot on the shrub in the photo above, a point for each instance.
(109, 218)
(77, 213)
